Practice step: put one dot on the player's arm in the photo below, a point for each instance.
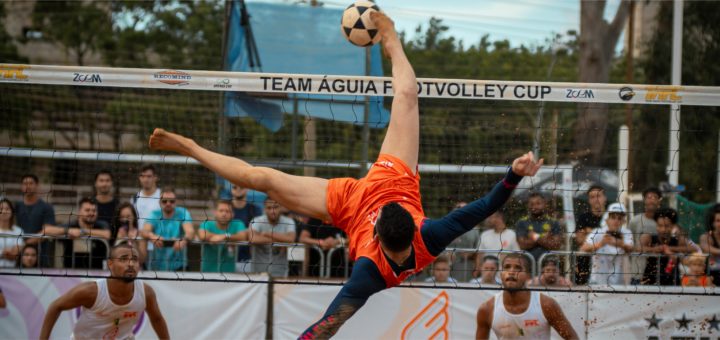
(365, 281)
(556, 318)
(484, 319)
(153, 311)
(81, 295)
(437, 234)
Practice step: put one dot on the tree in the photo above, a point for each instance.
(598, 39)
(699, 124)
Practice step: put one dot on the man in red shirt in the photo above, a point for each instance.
(390, 237)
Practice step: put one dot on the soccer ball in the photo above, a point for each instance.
(357, 26)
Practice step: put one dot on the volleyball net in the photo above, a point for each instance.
(67, 123)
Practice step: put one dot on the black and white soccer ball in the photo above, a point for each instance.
(357, 26)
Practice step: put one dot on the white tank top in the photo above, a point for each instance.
(106, 320)
(530, 324)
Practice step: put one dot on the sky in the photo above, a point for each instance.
(522, 22)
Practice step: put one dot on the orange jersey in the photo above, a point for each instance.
(354, 206)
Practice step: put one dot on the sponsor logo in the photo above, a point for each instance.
(626, 93)
(663, 95)
(172, 77)
(87, 78)
(532, 323)
(222, 84)
(432, 322)
(13, 72)
(387, 164)
(579, 93)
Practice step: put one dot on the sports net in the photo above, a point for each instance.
(65, 124)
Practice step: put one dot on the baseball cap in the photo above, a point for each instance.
(617, 208)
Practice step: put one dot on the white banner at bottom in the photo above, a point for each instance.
(192, 309)
(435, 313)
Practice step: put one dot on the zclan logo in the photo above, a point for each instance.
(172, 77)
(626, 93)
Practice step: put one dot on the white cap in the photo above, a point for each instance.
(617, 208)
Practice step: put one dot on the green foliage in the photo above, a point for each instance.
(699, 125)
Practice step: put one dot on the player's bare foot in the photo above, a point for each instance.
(168, 141)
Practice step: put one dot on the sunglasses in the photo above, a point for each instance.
(167, 201)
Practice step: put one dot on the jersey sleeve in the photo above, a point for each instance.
(365, 281)
(437, 234)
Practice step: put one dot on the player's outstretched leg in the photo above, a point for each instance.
(305, 195)
(402, 138)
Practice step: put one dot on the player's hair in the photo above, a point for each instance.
(652, 190)
(167, 189)
(123, 245)
(104, 172)
(395, 227)
(525, 260)
(666, 213)
(31, 176)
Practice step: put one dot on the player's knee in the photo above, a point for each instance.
(260, 178)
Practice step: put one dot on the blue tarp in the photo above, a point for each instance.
(297, 38)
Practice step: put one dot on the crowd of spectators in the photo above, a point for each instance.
(242, 236)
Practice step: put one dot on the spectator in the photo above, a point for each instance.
(169, 229)
(488, 271)
(10, 239)
(463, 262)
(710, 242)
(326, 237)
(663, 267)
(3, 304)
(28, 257)
(441, 271)
(105, 198)
(584, 225)
(537, 233)
(267, 258)
(220, 258)
(33, 214)
(644, 224)
(126, 229)
(550, 274)
(696, 276)
(79, 251)
(148, 198)
(607, 242)
(244, 211)
(497, 237)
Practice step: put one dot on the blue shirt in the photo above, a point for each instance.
(166, 258)
(219, 257)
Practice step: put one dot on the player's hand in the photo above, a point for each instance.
(526, 165)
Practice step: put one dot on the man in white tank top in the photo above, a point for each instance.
(110, 307)
(516, 313)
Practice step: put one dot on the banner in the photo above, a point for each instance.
(192, 309)
(435, 313)
(358, 85)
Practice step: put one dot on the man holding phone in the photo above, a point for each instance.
(607, 242)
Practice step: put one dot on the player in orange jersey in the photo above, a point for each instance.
(390, 237)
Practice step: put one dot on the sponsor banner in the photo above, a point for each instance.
(192, 309)
(435, 313)
(361, 86)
